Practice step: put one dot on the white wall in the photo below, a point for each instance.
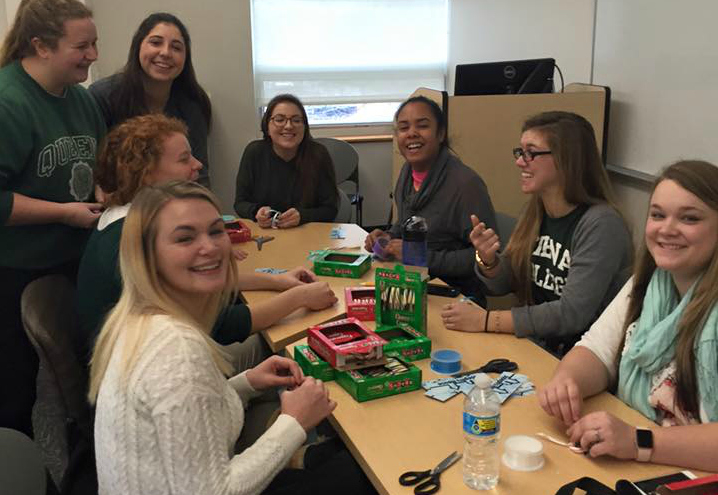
(497, 30)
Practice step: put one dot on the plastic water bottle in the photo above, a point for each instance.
(482, 427)
(413, 246)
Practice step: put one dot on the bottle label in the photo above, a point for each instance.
(481, 426)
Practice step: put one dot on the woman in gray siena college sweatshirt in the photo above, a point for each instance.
(571, 250)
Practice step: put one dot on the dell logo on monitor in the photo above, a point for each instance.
(509, 72)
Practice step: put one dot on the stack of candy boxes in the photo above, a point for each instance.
(368, 364)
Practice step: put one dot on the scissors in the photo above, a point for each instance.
(428, 481)
(494, 366)
(261, 240)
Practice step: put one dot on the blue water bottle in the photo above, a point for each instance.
(413, 246)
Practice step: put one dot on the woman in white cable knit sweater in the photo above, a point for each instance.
(167, 417)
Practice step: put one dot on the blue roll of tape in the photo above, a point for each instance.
(446, 361)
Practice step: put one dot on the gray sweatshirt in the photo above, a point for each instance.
(449, 195)
(601, 254)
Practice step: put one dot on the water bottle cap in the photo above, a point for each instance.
(415, 224)
(482, 380)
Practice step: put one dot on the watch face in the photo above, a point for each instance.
(644, 439)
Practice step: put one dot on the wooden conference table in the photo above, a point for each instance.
(289, 249)
(410, 432)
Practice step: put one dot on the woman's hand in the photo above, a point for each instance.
(463, 316)
(308, 404)
(485, 241)
(317, 295)
(296, 276)
(264, 219)
(81, 215)
(239, 255)
(275, 371)
(395, 248)
(561, 398)
(372, 237)
(601, 433)
(288, 219)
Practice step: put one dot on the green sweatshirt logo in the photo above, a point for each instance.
(63, 151)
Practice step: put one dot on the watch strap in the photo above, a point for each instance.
(644, 444)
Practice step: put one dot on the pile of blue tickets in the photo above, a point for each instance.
(508, 384)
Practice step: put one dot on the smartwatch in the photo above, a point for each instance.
(644, 442)
(485, 266)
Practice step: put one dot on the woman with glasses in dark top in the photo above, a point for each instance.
(571, 250)
(286, 172)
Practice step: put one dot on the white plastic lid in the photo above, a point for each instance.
(482, 380)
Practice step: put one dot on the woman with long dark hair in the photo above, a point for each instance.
(287, 171)
(159, 78)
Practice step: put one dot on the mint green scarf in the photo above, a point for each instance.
(653, 346)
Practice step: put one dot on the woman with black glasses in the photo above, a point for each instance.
(571, 250)
(287, 178)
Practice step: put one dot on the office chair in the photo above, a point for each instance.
(346, 167)
(505, 224)
(344, 214)
(21, 468)
(61, 409)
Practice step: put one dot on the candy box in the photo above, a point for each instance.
(237, 231)
(346, 344)
(312, 364)
(395, 377)
(405, 342)
(401, 298)
(338, 264)
(360, 302)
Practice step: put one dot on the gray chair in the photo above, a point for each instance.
(21, 468)
(505, 223)
(344, 214)
(61, 409)
(346, 166)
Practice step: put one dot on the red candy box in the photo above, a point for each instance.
(360, 302)
(346, 344)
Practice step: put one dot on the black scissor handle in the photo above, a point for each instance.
(429, 486)
(413, 477)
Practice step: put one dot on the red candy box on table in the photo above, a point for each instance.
(360, 302)
(346, 344)
(237, 230)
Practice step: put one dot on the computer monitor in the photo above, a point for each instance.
(498, 78)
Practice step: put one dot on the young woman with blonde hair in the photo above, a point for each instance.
(167, 417)
(657, 342)
(570, 251)
(49, 131)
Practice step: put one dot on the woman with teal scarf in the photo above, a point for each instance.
(657, 343)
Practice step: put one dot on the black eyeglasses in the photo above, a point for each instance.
(281, 120)
(528, 155)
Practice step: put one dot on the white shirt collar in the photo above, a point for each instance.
(112, 214)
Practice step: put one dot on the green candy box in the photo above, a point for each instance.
(338, 264)
(395, 377)
(401, 298)
(312, 364)
(406, 342)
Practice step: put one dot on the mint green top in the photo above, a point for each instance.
(48, 148)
